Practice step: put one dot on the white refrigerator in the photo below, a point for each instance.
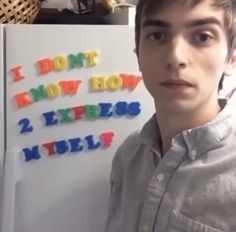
(69, 96)
(2, 134)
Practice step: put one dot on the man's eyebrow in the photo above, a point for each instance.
(200, 22)
(192, 23)
(156, 23)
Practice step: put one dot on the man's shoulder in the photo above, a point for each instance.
(128, 149)
(131, 142)
(138, 141)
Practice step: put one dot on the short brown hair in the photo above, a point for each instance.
(146, 8)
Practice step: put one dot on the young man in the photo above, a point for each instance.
(179, 172)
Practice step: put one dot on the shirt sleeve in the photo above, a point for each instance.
(120, 164)
(116, 183)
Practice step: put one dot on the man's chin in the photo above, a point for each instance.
(176, 106)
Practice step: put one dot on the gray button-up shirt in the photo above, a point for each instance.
(191, 189)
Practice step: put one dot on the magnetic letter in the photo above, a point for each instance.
(53, 90)
(105, 109)
(60, 63)
(49, 118)
(134, 108)
(107, 138)
(78, 111)
(17, 73)
(121, 108)
(98, 83)
(65, 115)
(26, 127)
(45, 66)
(75, 145)
(23, 99)
(39, 93)
(91, 57)
(91, 111)
(70, 87)
(114, 82)
(75, 60)
(61, 147)
(50, 148)
(91, 144)
(32, 153)
(130, 81)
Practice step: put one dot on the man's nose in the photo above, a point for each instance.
(177, 54)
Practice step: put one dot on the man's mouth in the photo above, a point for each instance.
(176, 83)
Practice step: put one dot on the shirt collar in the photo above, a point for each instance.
(198, 140)
(150, 134)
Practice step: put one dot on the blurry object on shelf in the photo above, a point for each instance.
(19, 11)
(100, 9)
(60, 5)
(54, 16)
(109, 4)
(75, 6)
(121, 12)
(121, 16)
(85, 6)
(113, 5)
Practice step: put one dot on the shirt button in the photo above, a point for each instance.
(160, 177)
(193, 154)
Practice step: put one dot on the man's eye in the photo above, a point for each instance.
(202, 38)
(156, 36)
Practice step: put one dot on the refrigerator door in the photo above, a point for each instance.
(64, 136)
(1, 115)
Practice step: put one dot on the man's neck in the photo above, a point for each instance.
(171, 123)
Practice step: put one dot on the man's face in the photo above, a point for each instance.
(182, 56)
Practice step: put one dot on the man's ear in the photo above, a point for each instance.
(231, 64)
